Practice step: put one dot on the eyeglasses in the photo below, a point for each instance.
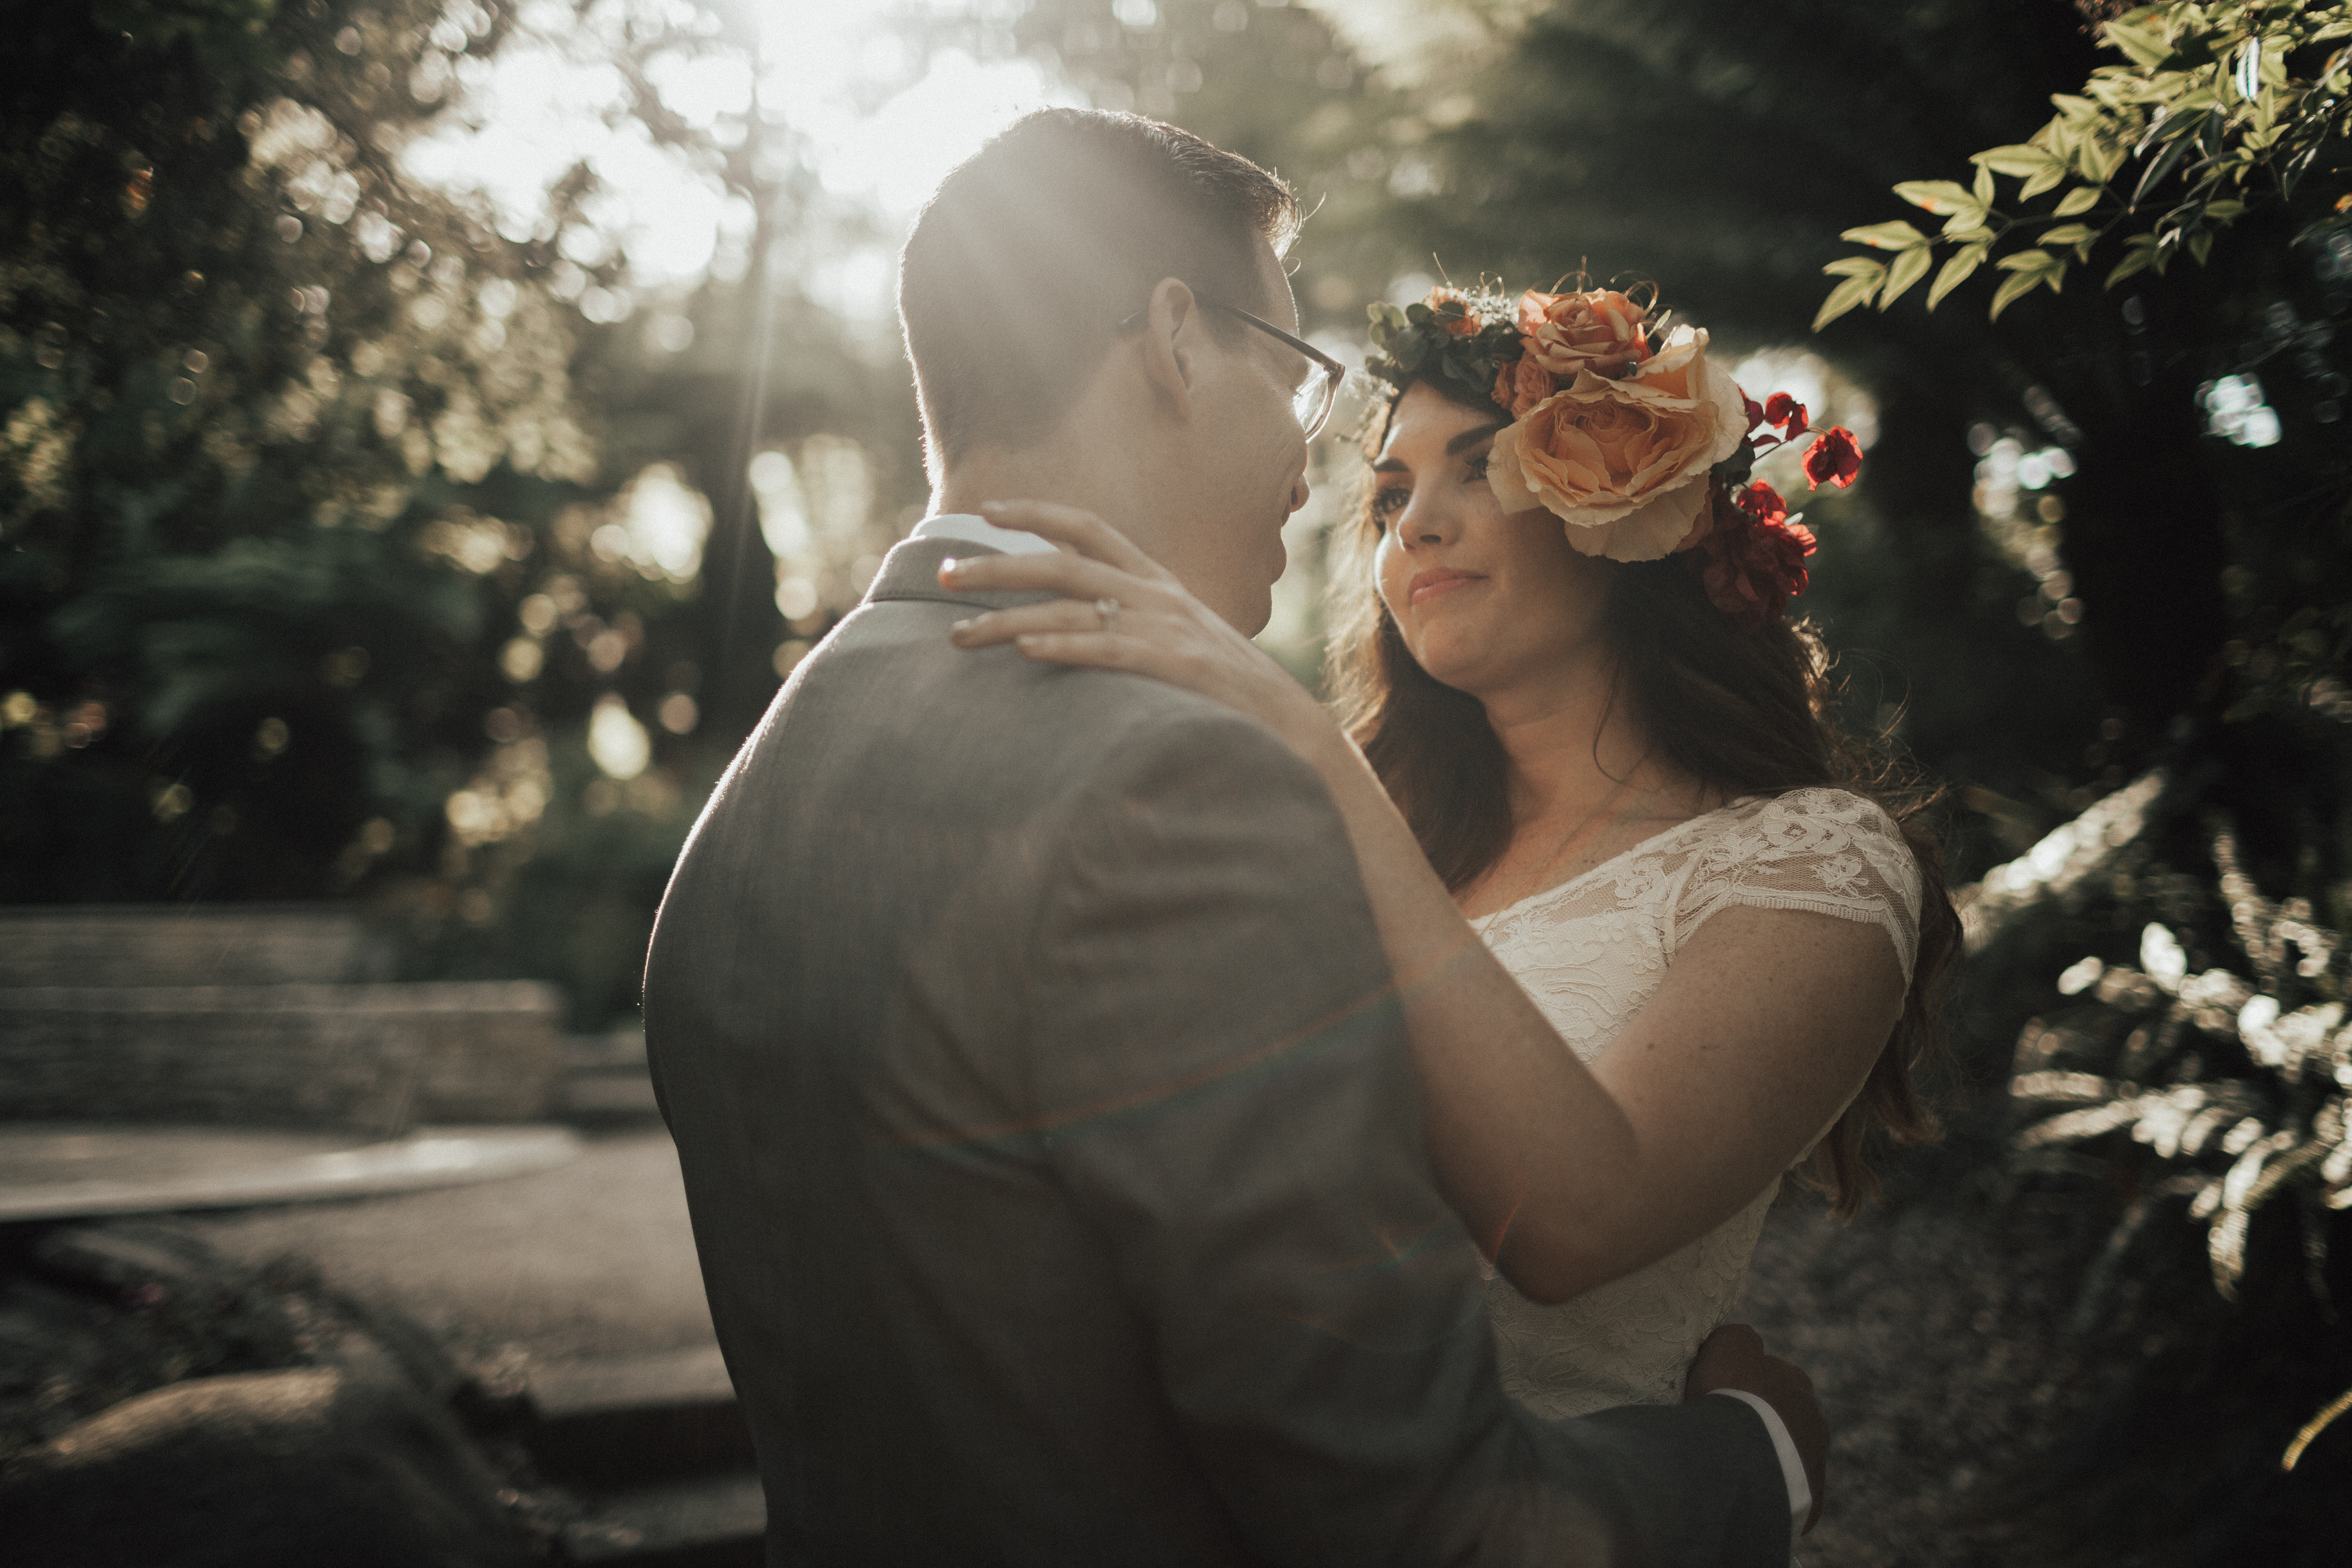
(1319, 391)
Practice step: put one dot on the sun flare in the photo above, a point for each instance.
(844, 88)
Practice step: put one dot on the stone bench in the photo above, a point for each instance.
(375, 1059)
(184, 945)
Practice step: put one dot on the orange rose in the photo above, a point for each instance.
(1521, 385)
(1599, 330)
(1625, 462)
(1463, 326)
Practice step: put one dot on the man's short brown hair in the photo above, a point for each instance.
(1035, 248)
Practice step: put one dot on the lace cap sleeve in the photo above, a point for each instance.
(1822, 850)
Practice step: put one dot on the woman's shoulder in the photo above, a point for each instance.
(1815, 816)
(1840, 836)
(1817, 850)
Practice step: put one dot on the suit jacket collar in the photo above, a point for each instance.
(911, 570)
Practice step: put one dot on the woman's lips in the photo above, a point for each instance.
(1429, 584)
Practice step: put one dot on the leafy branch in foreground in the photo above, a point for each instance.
(2228, 1091)
(2162, 152)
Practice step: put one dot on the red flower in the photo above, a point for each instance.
(1784, 410)
(1752, 562)
(1834, 458)
(1454, 316)
(1762, 502)
(1755, 410)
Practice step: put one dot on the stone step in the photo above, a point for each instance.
(658, 1449)
(604, 1078)
(709, 1522)
(378, 1058)
(67, 1170)
(607, 1098)
(186, 944)
(620, 1051)
(624, 1423)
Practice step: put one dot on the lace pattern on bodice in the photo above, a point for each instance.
(1590, 953)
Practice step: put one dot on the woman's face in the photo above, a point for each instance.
(1487, 601)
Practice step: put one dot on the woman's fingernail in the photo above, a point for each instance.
(992, 505)
(948, 567)
(960, 625)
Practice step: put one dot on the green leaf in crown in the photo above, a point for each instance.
(1463, 336)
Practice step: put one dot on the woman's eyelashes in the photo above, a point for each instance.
(1389, 499)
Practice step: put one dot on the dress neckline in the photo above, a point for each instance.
(1480, 923)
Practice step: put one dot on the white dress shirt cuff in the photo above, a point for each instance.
(1793, 1468)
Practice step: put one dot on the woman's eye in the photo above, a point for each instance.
(1388, 501)
(1477, 468)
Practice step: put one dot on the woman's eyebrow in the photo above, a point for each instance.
(1461, 443)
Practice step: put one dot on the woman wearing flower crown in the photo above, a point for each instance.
(1578, 735)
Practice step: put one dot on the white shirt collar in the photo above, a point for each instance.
(973, 529)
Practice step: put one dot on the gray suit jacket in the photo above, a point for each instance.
(1051, 1138)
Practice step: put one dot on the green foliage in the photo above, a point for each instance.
(2221, 106)
(2269, 1126)
(2207, 1079)
(226, 36)
(258, 391)
(1466, 338)
(318, 539)
(2203, 1069)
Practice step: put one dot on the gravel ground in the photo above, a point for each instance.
(1933, 1330)
(1934, 1327)
(1973, 1428)
(594, 1258)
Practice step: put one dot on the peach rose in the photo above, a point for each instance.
(1625, 462)
(1521, 385)
(1598, 330)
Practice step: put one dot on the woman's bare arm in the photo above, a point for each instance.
(1764, 1027)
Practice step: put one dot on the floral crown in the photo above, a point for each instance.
(1624, 429)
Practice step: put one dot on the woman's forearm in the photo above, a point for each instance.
(1569, 1177)
(1522, 1136)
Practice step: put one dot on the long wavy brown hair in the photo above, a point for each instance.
(1743, 712)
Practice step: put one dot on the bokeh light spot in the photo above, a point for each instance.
(617, 741)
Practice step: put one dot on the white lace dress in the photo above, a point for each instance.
(1592, 952)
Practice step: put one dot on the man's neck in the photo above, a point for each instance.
(1046, 473)
(1089, 473)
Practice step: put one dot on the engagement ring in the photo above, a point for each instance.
(1108, 610)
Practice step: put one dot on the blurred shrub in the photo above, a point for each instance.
(352, 541)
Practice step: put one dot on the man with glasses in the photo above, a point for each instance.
(1046, 1112)
(1319, 376)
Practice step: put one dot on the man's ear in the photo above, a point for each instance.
(1172, 337)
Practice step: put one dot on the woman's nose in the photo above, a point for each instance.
(1423, 523)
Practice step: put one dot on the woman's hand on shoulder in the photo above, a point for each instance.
(1120, 609)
